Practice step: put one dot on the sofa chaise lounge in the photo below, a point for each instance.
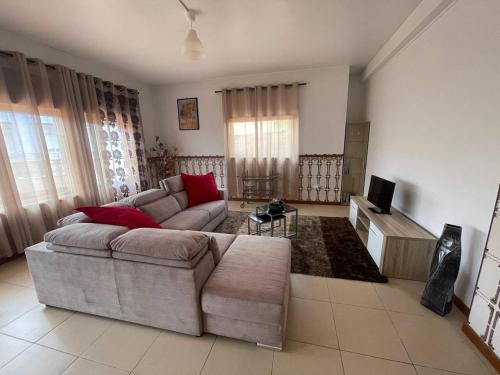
(182, 278)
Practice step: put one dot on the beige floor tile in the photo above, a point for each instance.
(10, 347)
(15, 301)
(434, 343)
(229, 357)
(8, 290)
(310, 287)
(122, 345)
(483, 359)
(402, 296)
(85, 367)
(368, 331)
(358, 364)
(352, 292)
(38, 360)
(430, 371)
(76, 333)
(16, 272)
(175, 354)
(299, 358)
(36, 323)
(311, 322)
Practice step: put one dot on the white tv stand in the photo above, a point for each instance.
(400, 247)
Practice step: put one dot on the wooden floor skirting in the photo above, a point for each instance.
(461, 305)
(481, 345)
(291, 201)
(474, 337)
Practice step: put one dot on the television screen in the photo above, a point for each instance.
(380, 194)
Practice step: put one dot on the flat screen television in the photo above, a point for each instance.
(380, 194)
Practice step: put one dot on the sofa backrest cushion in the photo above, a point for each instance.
(126, 216)
(174, 184)
(162, 243)
(77, 217)
(200, 188)
(145, 197)
(182, 199)
(162, 209)
(85, 235)
(100, 253)
(219, 243)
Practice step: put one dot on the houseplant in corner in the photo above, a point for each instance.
(163, 158)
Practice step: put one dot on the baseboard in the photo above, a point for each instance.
(294, 201)
(481, 345)
(461, 305)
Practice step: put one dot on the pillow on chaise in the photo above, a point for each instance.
(124, 216)
(200, 189)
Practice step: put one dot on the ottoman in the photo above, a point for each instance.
(246, 296)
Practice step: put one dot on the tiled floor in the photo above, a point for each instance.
(335, 327)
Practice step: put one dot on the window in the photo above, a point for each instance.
(28, 159)
(272, 137)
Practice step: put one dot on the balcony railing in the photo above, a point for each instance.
(320, 176)
(202, 165)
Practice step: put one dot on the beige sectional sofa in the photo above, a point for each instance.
(169, 208)
(182, 278)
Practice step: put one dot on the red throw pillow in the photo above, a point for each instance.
(200, 189)
(125, 216)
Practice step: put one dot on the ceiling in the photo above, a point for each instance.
(143, 37)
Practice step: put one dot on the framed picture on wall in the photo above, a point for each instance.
(187, 110)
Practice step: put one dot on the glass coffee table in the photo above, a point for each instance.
(277, 221)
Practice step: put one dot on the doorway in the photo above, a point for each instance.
(355, 153)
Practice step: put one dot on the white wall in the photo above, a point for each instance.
(356, 99)
(323, 103)
(435, 127)
(14, 42)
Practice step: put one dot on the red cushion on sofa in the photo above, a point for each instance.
(200, 189)
(125, 216)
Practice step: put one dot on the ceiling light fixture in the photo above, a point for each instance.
(192, 47)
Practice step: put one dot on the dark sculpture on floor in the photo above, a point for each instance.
(438, 292)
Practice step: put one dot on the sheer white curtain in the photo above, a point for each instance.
(54, 148)
(262, 136)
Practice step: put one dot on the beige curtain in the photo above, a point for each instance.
(262, 136)
(46, 157)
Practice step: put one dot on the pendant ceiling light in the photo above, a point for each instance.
(192, 47)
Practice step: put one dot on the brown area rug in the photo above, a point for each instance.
(325, 246)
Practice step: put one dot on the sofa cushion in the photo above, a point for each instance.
(80, 217)
(77, 217)
(250, 282)
(117, 204)
(161, 209)
(175, 245)
(145, 197)
(200, 188)
(101, 253)
(181, 198)
(187, 220)
(126, 216)
(174, 184)
(213, 208)
(191, 263)
(219, 243)
(86, 235)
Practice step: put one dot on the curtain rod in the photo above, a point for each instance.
(105, 83)
(31, 61)
(287, 85)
